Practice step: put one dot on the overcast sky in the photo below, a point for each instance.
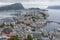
(24, 0)
(32, 3)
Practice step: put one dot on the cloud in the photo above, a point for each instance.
(32, 3)
(14, 1)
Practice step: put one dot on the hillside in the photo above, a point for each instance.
(16, 6)
(34, 8)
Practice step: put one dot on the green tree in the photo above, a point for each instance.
(33, 18)
(2, 25)
(29, 37)
(7, 25)
(14, 38)
(39, 38)
(12, 25)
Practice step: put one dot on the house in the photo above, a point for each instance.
(8, 21)
(3, 38)
(8, 32)
(27, 22)
(1, 21)
(22, 37)
(35, 35)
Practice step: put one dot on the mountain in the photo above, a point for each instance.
(34, 8)
(53, 7)
(16, 6)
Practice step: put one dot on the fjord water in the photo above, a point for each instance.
(55, 16)
(4, 14)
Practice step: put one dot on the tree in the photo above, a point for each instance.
(12, 25)
(29, 37)
(2, 25)
(39, 38)
(14, 38)
(33, 18)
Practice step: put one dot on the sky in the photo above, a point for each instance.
(32, 3)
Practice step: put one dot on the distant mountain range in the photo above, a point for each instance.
(53, 7)
(16, 6)
(34, 9)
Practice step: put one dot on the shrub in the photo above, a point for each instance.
(14, 38)
(29, 37)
